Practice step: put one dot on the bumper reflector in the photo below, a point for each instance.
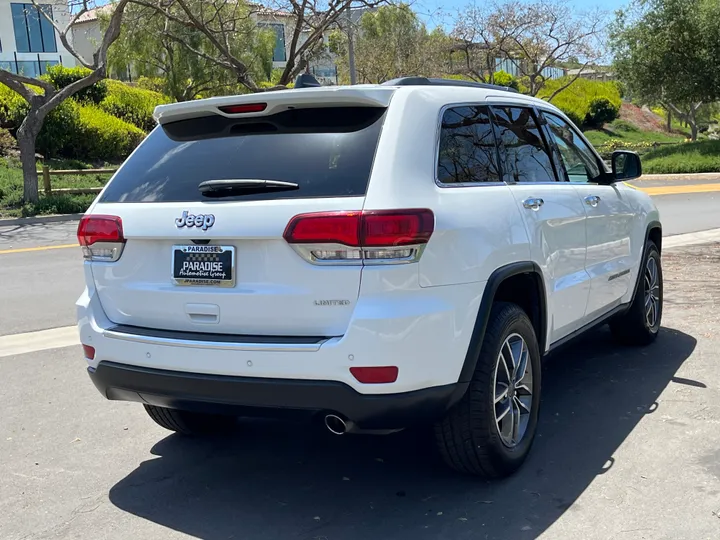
(89, 352)
(375, 375)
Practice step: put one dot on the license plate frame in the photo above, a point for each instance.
(199, 277)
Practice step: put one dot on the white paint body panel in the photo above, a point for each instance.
(419, 317)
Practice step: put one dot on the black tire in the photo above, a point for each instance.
(190, 423)
(468, 437)
(632, 327)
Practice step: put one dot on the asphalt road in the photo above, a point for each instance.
(689, 212)
(627, 448)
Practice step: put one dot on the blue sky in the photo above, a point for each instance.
(430, 9)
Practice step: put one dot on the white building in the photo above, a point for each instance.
(28, 42)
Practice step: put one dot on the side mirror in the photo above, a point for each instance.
(626, 165)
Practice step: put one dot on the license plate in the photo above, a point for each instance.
(204, 265)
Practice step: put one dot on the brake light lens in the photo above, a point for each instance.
(101, 237)
(355, 237)
(244, 108)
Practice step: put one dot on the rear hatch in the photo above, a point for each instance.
(213, 258)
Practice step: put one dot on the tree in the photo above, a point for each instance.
(219, 20)
(666, 52)
(533, 36)
(391, 42)
(40, 104)
(152, 45)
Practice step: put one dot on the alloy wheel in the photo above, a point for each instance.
(652, 292)
(513, 390)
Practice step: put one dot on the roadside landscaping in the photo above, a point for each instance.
(97, 128)
(11, 189)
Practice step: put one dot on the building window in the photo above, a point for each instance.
(29, 68)
(33, 32)
(279, 54)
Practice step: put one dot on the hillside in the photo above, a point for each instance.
(636, 126)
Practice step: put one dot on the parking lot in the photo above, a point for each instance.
(628, 446)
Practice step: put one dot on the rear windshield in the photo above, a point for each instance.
(328, 152)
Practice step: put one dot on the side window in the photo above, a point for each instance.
(467, 147)
(527, 158)
(577, 158)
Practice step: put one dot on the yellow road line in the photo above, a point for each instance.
(39, 248)
(677, 190)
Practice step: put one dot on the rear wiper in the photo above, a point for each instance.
(242, 186)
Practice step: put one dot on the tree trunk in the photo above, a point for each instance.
(692, 122)
(26, 142)
(669, 120)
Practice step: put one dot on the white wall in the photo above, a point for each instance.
(86, 38)
(7, 36)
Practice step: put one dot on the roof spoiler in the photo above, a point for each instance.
(425, 81)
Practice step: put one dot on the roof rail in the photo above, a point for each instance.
(425, 81)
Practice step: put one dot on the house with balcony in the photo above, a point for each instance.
(28, 42)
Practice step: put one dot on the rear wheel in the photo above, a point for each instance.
(490, 431)
(190, 423)
(641, 323)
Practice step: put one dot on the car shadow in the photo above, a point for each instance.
(279, 481)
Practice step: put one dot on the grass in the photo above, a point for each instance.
(628, 133)
(11, 189)
(697, 157)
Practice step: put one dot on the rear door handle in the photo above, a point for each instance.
(533, 203)
(592, 200)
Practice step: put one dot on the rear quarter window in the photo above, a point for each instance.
(328, 152)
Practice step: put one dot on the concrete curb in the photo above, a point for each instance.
(677, 241)
(40, 219)
(688, 177)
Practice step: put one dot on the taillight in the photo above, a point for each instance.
(355, 237)
(101, 237)
(244, 108)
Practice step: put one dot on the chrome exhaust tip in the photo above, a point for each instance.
(335, 424)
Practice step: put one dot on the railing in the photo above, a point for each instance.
(47, 186)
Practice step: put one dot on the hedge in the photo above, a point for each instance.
(131, 104)
(576, 100)
(61, 76)
(77, 130)
(102, 136)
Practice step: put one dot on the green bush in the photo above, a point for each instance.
(7, 141)
(575, 100)
(61, 76)
(60, 127)
(12, 108)
(154, 84)
(58, 204)
(624, 126)
(101, 136)
(133, 105)
(503, 78)
(601, 111)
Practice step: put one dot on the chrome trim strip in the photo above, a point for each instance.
(186, 343)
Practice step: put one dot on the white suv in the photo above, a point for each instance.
(378, 256)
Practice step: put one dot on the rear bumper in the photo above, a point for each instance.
(424, 333)
(271, 397)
